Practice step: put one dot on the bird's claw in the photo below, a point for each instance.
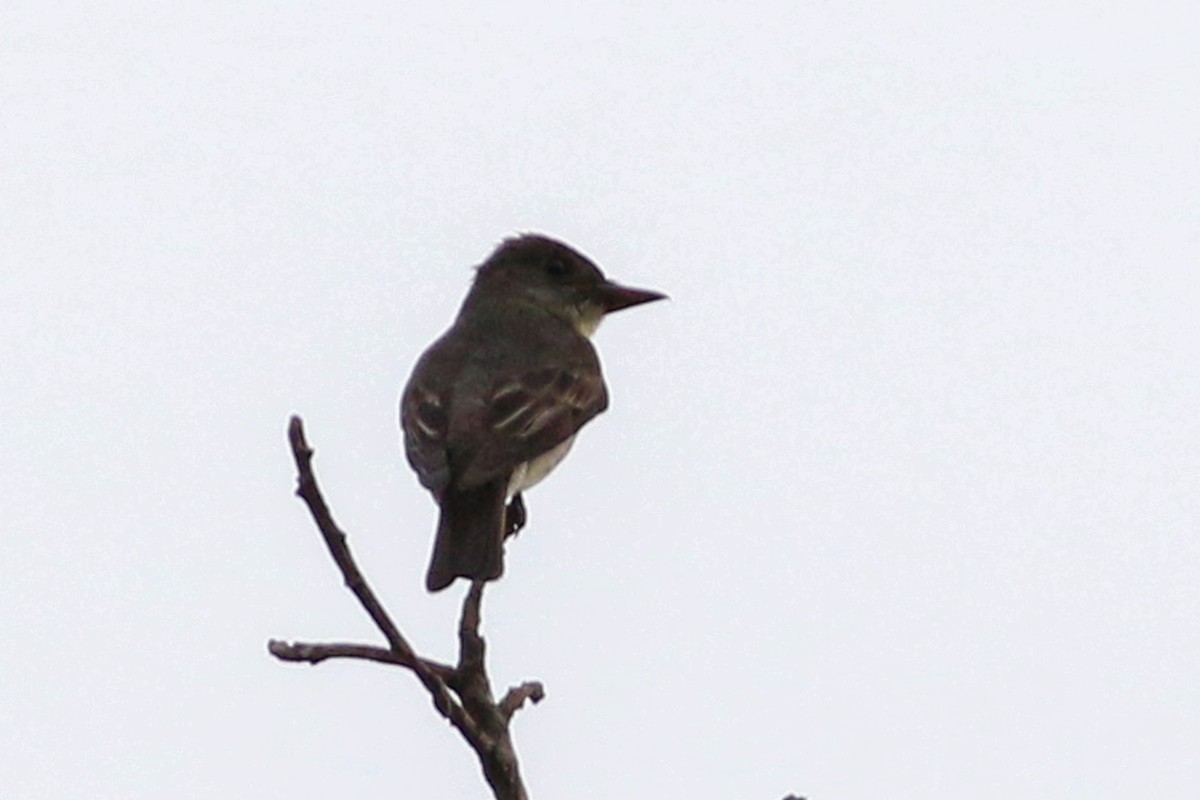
(514, 516)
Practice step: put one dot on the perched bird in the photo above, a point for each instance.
(495, 403)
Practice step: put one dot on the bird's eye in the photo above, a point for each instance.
(556, 268)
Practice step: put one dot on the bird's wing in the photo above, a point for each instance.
(425, 419)
(476, 406)
(527, 413)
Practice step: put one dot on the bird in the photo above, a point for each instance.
(494, 404)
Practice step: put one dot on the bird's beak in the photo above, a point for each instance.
(614, 297)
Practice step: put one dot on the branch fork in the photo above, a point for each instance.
(461, 693)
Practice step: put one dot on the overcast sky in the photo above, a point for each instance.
(897, 497)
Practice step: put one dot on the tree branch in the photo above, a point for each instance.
(335, 539)
(316, 653)
(463, 693)
(533, 691)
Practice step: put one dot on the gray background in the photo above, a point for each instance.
(897, 497)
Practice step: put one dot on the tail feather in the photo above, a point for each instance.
(470, 535)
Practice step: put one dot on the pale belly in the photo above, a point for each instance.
(533, 470)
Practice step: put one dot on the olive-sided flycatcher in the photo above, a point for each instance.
(494, 404)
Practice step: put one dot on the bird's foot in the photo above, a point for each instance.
(514, 516)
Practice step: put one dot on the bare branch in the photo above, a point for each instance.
(335, 540)
(316, 653)
(533, 691)
(471, 648)
(463, 693)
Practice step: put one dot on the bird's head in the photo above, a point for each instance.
(554, 277)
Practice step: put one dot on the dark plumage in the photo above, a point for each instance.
(494, 404)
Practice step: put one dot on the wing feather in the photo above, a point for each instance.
(528, 414)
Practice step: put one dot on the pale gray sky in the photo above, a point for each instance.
(897, 497)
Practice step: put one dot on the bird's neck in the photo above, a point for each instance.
(583, 319)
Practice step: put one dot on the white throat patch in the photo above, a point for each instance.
(587, 319)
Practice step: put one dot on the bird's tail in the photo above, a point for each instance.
(470, 536)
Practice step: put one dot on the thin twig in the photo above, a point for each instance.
(533, 691)
(335, 540)
(474, 713)
(316, 653)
